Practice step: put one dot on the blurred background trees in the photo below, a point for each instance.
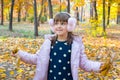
(100, 13)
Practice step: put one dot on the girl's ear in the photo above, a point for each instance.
(71, 24)
(51, 23)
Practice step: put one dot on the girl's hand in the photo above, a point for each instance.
(14, 52)
(105, 67)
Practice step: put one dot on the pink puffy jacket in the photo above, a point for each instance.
(41, 59)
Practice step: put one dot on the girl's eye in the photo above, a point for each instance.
(62, 23)
(56, 23)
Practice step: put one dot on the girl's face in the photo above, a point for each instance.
(61, 28)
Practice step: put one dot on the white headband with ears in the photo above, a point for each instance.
(71, 23)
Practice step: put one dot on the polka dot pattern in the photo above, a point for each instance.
(59, 64)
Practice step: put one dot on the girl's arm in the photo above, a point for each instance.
(27, 57)
(86, 64)
(32, 58)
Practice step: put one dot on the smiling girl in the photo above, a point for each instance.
(61, 54)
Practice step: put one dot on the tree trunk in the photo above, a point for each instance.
(104, 27)
(91, 9)
(45, 11)
(81, 18)
(25, 17)
(94, 4)
(60, 5)
(68, 7)
(50, 9)
(19, 13)
(11, 16)
(2, 15)
(108, 18)
(118, 14)
(77, 13)
(35, 19)
(26, 10)
(96, 15)
(40, 12)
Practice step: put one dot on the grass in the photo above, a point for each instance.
(23, 30)
(26, 30)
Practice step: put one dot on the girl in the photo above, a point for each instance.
(61, 54)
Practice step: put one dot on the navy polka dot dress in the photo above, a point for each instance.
(59, 64)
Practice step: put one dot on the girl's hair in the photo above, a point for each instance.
(62, 17)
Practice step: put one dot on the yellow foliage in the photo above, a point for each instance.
(105, 68)
(95, 48)
(18, 62)
(11, 72)
(2, 70)
(14, 51)
(20, 70)
(3, 75)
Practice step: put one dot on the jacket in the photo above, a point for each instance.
(41, 59)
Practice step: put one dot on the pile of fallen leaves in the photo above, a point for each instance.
(97, 49)
(11, 68)
(103, 50)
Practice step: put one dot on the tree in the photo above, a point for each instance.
(94, 14)
(40, 12)
(35, 19)
(104, 27)
(60, 5)
(19, 11)
(50, 9)
(81, 17)
(118, 14)
(95, 9)
(91, 9)
(68, 6)
(26, 7)
(11, 15)
(109, 6)
(45, 9)
(2, 16)
(77, 14)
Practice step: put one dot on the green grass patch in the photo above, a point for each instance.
(22, 30)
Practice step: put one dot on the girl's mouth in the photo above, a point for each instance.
(59, 30)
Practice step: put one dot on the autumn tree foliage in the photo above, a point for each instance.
(98, 15)
(24, 11)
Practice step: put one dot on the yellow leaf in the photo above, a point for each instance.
(105, 68)
(117, 79)
(18, 62)
(90, 76)
(3, 75)
(2, 70)
(101, 78)
(15, 51)
(28, 68)
(20, 70)
(11, 72)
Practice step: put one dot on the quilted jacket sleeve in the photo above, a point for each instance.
(32, 58)
(86, 64)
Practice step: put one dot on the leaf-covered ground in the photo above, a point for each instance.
(96, 48)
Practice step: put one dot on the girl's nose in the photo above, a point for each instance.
(59, 24)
